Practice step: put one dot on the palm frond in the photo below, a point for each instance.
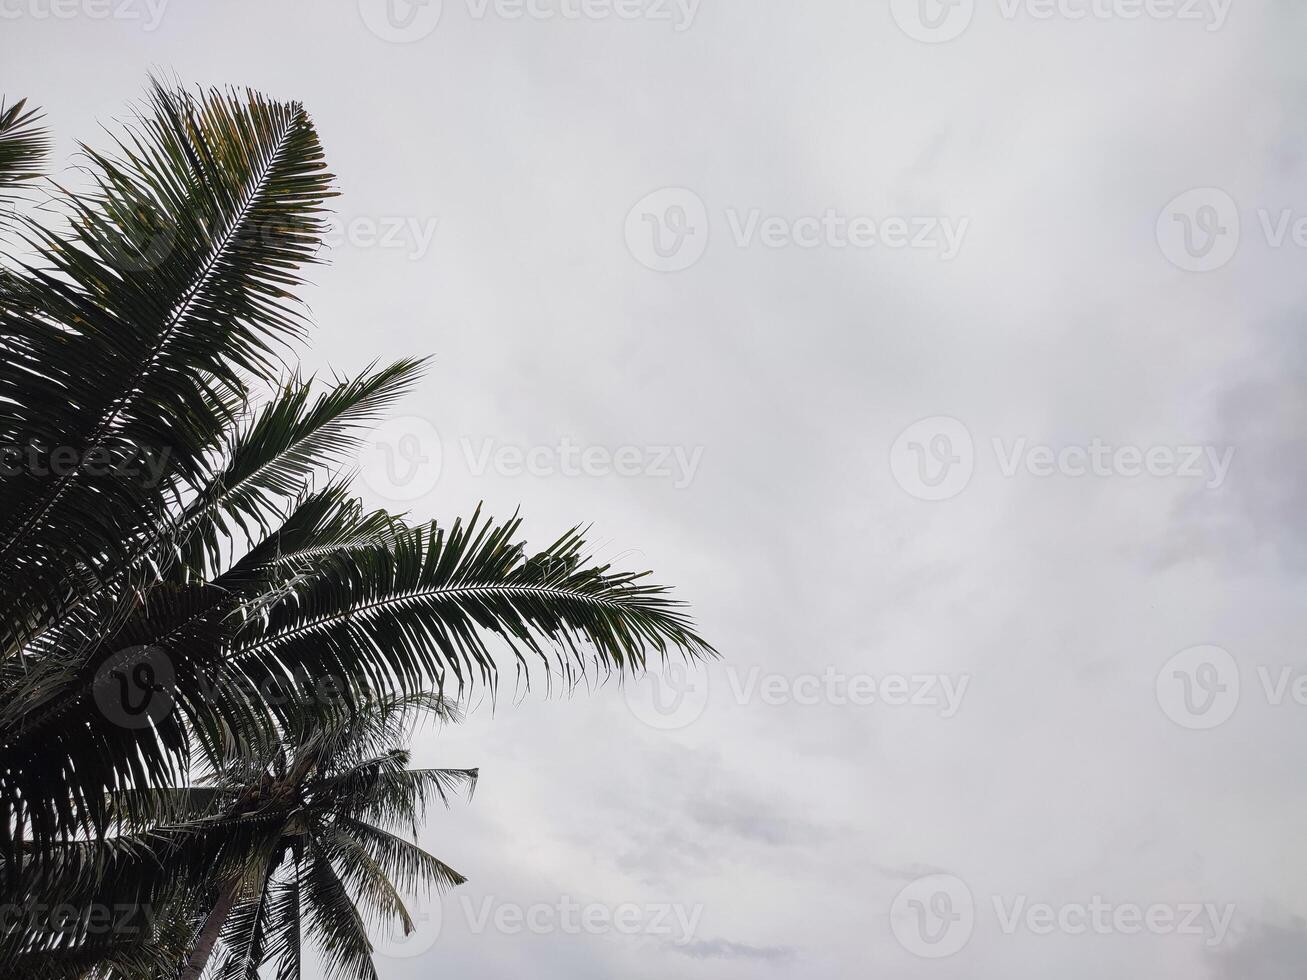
(406, 864)
(286, 947)
(427, 609)
(333, 921)
(247, 928)
(24, 145)
(395, 796)
(170, 527)
(367, 881)
(170, 287)
(276, 455)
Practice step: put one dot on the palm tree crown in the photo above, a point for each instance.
(180, 554)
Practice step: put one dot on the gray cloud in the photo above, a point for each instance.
(1260, 413)
(711, 949)
(1268, 952)
(1060, 321)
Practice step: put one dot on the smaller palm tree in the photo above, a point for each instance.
(333, 802)
(300, 841)
(287, 843)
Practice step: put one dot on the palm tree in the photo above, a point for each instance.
(331, 799)
(177, 553)
(296, 842)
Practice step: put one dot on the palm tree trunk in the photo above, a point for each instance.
(208, 934)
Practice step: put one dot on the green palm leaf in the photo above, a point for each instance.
(169, 287)
(24, 145)
(141, 328)
(430, 606)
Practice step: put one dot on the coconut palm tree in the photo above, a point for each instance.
(179, 554)
(329, 801)
(299, 842)
(335, 797)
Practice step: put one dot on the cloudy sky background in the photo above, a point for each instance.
(788, 830)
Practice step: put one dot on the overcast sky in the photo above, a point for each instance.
(947, 357)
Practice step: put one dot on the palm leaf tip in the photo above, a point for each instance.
(24, 145)
(438, 604)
